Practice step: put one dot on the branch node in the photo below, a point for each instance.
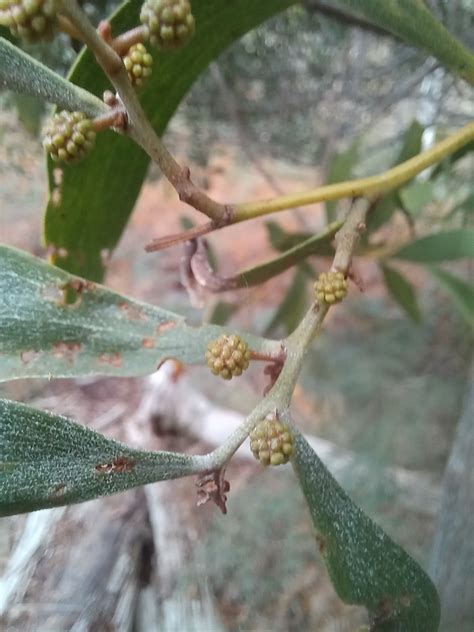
(110, 98)
(105, 31)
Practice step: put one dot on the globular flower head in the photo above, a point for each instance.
(170, 23)
(271, 441)
(228, 356)
(68, 136)
(330, 288)
(138, 64)
(32, 20)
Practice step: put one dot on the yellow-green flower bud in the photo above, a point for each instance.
(170, 23)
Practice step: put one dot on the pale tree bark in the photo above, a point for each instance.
(452, 562)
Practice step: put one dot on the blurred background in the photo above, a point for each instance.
(312, 96)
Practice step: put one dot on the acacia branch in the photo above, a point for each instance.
(371, 187)
(296, 346)
(139, 127)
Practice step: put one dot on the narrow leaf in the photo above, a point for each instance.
(366, 567)
(461, 292)
(47, 460)
(449, 161)
(318, 245)
(466, 206)
(416, 195)
(411, 142)
(444, 246)
(281, 239)
(402, 292)
(340, 169)
(293, 306)
(412, 21)
(21, 73)
(222, 313)
(55, 324)
(386, 207)
(87, 213)
(383, 211)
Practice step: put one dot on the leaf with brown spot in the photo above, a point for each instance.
(114, 359)
(118, 464)
(366, 567)
(166, 326)
(148, 343)
(47, 460)
(103, 333)
(66, 350)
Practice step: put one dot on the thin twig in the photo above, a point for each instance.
(116, 117)
(139, 128)
(210, 280)
(187, 235)
(123, 42)
(66, 26)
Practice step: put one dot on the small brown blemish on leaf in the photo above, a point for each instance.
(80, 285)
(321, 542)
(165, 326)
(132, 311)
(66, 350)
(59, 490)
(383, 611)
(118, 464)
(114, 359)
(73, 290)
(148, 343)
(29, 356)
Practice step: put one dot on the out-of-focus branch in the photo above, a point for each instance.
(348, 19)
